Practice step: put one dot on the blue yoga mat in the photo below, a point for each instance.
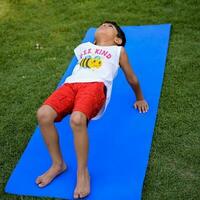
(119, 142)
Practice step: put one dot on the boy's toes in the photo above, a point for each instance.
(41, 184)
(44, 182)
(38, 180)
(82, 195)
(76, 195)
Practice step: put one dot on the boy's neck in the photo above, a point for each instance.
(104, 43)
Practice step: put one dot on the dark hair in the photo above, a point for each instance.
(120, 33)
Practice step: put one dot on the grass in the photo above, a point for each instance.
(28, 76)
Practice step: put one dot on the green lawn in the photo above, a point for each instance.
(28, 76)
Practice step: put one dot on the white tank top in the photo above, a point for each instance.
(96, 64)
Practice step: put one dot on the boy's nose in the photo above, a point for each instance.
(101, 27)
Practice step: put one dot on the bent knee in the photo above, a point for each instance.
(46, 114)
(77, 119)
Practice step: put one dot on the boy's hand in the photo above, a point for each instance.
(141, 105)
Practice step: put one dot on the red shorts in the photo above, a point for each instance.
(86, 97)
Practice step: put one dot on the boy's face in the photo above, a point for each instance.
(107, 31)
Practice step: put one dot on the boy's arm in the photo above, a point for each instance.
(141, 104)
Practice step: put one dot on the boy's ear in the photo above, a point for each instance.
(118, 40)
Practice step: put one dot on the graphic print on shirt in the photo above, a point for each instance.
(93, 57)
(90, 62)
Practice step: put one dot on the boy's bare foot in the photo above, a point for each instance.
(83, 184)
(49, 175)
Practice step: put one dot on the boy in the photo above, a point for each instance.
(85, 95)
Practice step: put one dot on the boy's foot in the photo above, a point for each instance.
(49, 175)
(83, 184)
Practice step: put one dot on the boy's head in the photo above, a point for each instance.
(111, 32)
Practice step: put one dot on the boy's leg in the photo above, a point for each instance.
(88, 102)
(54, 109)
(46, 116)
(78, 122)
